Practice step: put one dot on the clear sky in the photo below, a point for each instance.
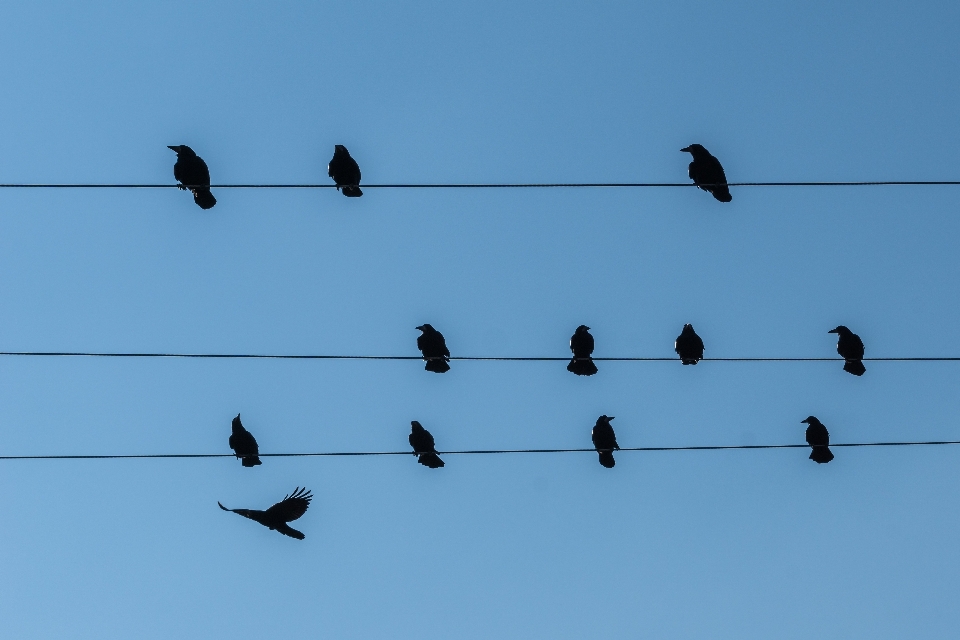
(738, 544)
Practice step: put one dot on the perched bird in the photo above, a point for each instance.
(276, 517)
(689, 346)
(244, 445)
(707, 173)
(423, 446)
(819, 438)
(345, 172)
(434, 349)
(191, 172)
(581, 344)
(605, 441)
(850, 348)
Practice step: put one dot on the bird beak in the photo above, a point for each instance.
(805, 421)
(609, 418)
(420, 328)
(833, 331)
(174, 147)
(687, 149)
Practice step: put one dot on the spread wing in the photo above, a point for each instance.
(291, 507)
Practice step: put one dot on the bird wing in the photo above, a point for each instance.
(291, 507)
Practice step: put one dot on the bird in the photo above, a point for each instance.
(191, 172)
(605, 441)
(819, 439)
(581, 344)
(244, 445)
(850, 348)
(434, 349)
(345, 172)
(689, 346)
(276, 517)
(707, 173)
(423, 446)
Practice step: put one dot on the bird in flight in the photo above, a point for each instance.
(434, 349)
(345, 172)
(423, 447)
(707, 173)
(191, 172)
(605, 441)
(819, 440)
(244, 445)
(850, 348)
(581, 344)
(689, 346)
(276, 517)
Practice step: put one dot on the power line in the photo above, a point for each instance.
(528, 185)
(151, 456)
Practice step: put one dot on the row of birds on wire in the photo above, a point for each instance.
(192, 173)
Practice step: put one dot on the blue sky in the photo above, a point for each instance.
(738, 544)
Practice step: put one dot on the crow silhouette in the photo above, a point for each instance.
(581, 344)
(850, 348)
(423, 446)
(434, 349)
(244, 445)
(689, 346)
(276, 517)
(605, 441)
(345, 172)
(819, 439)
(707, 173)
(191, 172)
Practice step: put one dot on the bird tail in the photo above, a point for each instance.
(204, 198)
(855, 367)
(722, 193)
(431, 460)
(437, 365)
(251, 461)
(352, 192)
(821, 455)
(606, 459)
(582, 366)
(289, 531)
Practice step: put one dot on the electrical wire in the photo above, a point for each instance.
(529, 185)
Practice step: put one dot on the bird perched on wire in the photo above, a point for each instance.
(689, 346)
(345, 172)
(850, 348)
(605, 441)
(244, 445)
(819, 439)
(434, 349)
(276, 517)
(191, 172)
(581, 344)
(423, 446)
(707, 173)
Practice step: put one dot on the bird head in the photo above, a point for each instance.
(237, 425)
(810, 420)
(840, 330)
(182, 149)
(339, 148)
(695, 150)
(687, 328)
(606, 419)
(426, 328)
(582, 328)
(416, 426)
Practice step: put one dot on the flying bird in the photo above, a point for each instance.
(850, 348)
(423, 447)
(244, 445)
(345, 172)
(605, 441)
(191, 172)
(581, 344)
(434, 349)
(707, 173)
(819, 439)
(276, 517)
(689, 346)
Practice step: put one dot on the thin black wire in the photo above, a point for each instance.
(531, 185)
(474, 451)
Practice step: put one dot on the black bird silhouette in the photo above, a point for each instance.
(581, 344)
(819, 439)
(605, 441)
(191, 172)
(707, 173)
(434, 349)
(423, 446)
(689, 346)
(850, 348)
(276, 517)
(345, 172)
(244, 445)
